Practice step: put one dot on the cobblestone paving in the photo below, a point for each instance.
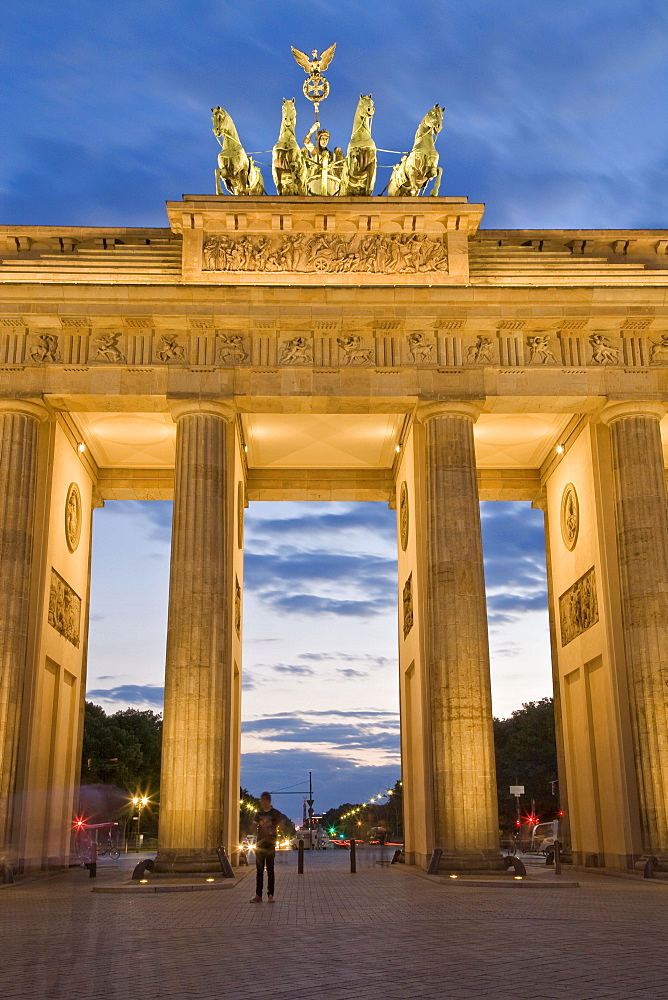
(378, 934)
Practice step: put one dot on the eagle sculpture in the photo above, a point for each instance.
(316, 64)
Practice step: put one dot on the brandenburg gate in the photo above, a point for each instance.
(335, 345)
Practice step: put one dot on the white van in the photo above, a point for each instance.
(543, 836)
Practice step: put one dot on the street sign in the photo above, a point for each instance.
(517, 790)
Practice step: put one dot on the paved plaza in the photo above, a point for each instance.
(381, 933)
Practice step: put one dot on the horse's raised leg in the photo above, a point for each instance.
(437, 183)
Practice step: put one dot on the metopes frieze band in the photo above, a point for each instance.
(374, 253)
(386, 344)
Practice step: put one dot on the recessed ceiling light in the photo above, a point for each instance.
(560, 449)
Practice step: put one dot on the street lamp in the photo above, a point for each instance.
(139, 801)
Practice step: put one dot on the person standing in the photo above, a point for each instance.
(268, 821)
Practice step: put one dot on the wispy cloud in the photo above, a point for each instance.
(129, 694)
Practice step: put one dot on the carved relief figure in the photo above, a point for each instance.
(570, 516)
(297, 351)
(73, 517)
(232, 350)
(481, 352)
(540, 349)
(404, 516)
(109, 349)
(46, 348)
(603, 353)
(374, 253)
(64, 609)
(408, 605)
(578, 608)
(241, 503)
(354, 353)
(419, 349)
(169, 349)
(658, 353)
(237, 607)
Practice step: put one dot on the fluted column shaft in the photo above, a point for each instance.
(466, 819)
(198, 642)
(641, 517)
(19, 431)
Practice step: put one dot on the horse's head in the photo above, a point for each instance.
(289, 111)
(220, 119)
(365, 106)
(434, 119)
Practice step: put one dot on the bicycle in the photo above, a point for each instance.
(111, 849)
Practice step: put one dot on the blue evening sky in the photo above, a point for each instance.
(555, 117)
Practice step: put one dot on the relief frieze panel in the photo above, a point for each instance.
(64, 609)
(330, 344)
(372, 253)
(578, 607)
(407, 605)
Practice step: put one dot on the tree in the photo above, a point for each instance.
(120, 758)
(357, 819)
(526, 754)
(122, 749)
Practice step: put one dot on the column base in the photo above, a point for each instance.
(187, 860)
(472, 861)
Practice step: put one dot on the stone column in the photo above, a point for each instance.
(641, 519)
(466, 817)
(19, 432)
(197, 670)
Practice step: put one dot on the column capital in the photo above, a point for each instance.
(29, 407)
(632, 408)
(540, 502)
(445, 408)
(208, 407)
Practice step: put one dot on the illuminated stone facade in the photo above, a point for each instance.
(430, 364)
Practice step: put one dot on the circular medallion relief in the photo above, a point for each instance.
(73, 517)
(403, 515)
(570, 516)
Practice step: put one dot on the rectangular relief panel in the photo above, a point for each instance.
(283, 240)
(578, 607)
(64, 609)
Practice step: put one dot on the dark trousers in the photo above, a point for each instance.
(263, 858)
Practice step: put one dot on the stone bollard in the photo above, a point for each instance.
(300, 857)
(353, 856)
